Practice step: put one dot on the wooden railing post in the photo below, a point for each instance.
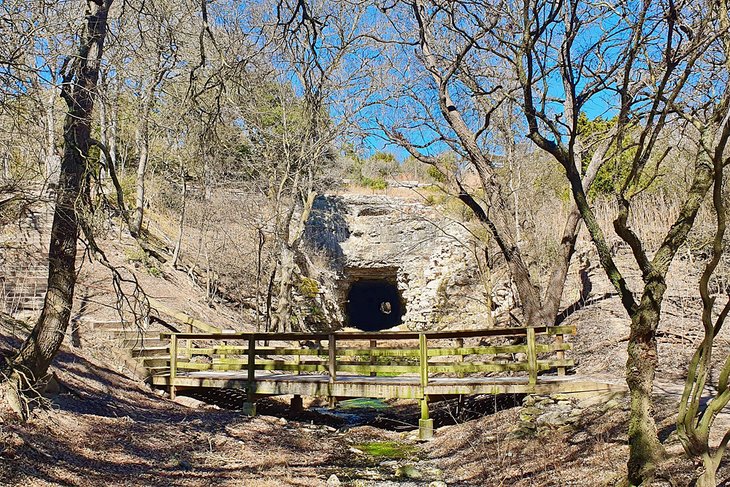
(250, 406)
(189, 342)
(423, 359)
(298, 362)
(332, 366)
(460, 357)
(532, 355)
(373, 346)
(173, 364)
(425, 424)
(559, 340)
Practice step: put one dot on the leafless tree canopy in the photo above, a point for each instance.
(525, 111)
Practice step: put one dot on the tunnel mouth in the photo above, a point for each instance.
(374, 304)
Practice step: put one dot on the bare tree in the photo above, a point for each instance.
(316, 112)
(466, 88)
(695, 422)
(649, 60)
(156, 53)
(80, 75)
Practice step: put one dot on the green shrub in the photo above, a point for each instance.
(374, 183)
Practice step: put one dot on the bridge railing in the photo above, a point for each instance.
(419, 354)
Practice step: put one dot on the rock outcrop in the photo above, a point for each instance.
(427, 256)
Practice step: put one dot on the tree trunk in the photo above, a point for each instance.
(103, 126)
(181, 222)
(113, 123)
(52, 159)
(535, 311)
(282, 316)
(6, 166)
(143, 147)
(556, 281)
(645, 449)
(528, 292)
(78, 91)
(708, 478)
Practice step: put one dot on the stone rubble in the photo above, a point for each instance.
(555, 412)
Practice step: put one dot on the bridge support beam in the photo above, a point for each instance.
(296, 405)
(249, 408)
(425, 424)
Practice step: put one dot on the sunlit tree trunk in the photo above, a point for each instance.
(79, 88)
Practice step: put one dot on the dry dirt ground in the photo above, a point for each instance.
(103, 427)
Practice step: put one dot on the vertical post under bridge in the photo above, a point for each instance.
(173, 364)
(559, 340)
(332, 367)
(425, 424)
(249, 407)
(532, 355)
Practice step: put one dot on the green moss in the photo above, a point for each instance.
(135, 254)
(308, 287)
(362, 403)
(388, 449)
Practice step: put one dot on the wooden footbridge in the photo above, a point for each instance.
(415, 365)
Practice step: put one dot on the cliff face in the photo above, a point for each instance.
(380, 242)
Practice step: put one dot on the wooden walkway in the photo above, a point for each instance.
(413, 365)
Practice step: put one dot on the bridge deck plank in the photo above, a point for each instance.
(386, 387)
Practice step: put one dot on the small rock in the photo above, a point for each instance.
(189, 402)
(409, 472)
(356, 451)
(433, 472)
(561, 397)
(438, 483)
(552, 418)
(563, 408)
(529, 400)
(333, 480)
(612, 404)
(579, 437)
(53, 386)
(528, 414)
(282, 421)
(524, 430)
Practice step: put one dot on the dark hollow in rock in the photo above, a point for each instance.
(373, 305)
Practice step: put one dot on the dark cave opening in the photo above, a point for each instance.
(374, 305)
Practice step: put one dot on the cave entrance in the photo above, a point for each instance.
(374, 305)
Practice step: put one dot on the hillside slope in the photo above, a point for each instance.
(104, 426)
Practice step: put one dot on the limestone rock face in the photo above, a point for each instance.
(429, 257)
